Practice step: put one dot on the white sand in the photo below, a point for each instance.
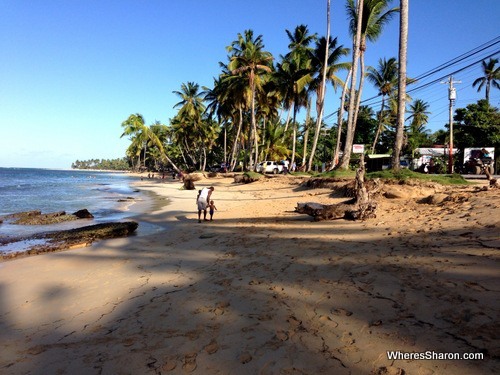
(263, 290)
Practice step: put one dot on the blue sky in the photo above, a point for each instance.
(72, 70)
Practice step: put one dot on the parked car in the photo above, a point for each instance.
(269, 167)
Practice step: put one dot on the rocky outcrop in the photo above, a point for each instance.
(71, 238)
(36, 217)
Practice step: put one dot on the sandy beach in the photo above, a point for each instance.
(265, 290)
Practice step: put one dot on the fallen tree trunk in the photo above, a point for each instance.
(360, 208)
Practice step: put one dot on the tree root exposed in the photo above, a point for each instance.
(360, 208)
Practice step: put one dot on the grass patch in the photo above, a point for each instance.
(405, 174)
(340, 173)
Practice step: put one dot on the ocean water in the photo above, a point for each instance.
(106, 195)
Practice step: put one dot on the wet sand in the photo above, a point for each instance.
(264, 290)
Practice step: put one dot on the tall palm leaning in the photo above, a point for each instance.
(141, 134)
(135, 128)
(251, 61)
(385, 79)
(374, 16)
(490, 78)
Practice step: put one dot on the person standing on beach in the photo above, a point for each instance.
(203, 200)
(212, 209)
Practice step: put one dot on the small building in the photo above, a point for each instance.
(378, 162)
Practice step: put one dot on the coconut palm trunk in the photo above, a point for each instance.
(403, 45)
(340, 120)
(379, 127)
(236, 139)
(322, 91)
(351, 125)
(306, 133)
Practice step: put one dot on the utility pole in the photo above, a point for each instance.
(452, 95)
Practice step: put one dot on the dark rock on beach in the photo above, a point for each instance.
(83, 214)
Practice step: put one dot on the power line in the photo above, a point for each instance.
(462, 57)
(481, 48)
(454, 72)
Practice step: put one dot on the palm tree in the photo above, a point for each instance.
(356, 24)
(141, 135)
(419, 116)
(251, 61)
(340, 120)
(215, 107)
(188, 121)
(403, 47)
(275, 148)
(385, 80)
(135, 128)
(234, 97)
(300, 40)
(191, 104)
(321, 92)
(293, 75)
(491, 77)
(366, 20)
(333, 53)
(200, 131)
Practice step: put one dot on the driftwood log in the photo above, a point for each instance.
(361, 207)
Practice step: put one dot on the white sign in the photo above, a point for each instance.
(358, 149)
